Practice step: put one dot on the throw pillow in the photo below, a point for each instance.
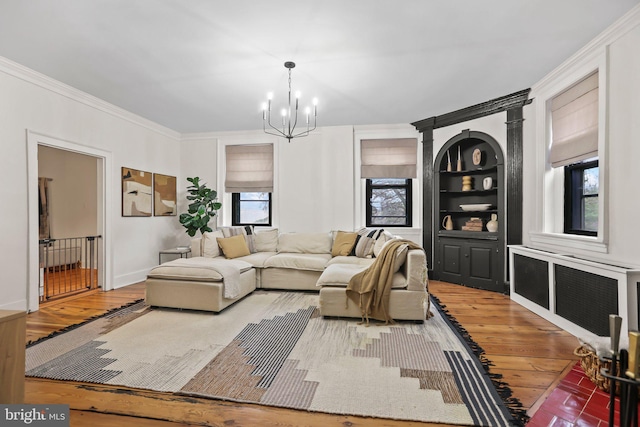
(266, 240)
(233, 247)
(402, 252)
(401, 256)
(384, 237)
(210, 248)
(343, 243)
(246, 231)
(366, 241)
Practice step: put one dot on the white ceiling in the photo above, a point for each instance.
(205, 65)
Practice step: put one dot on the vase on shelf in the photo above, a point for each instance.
(467, 183)
(487, 183)
(448, 161)
(459, 169)
(447, 223)
(492, 225)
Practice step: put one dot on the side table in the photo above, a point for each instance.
(13, 333)
(183, 252)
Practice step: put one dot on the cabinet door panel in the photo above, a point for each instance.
(484, 266)
(480, 262)
(451, 263)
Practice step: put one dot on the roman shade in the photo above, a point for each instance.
(389, 158)
(249, 168)
(574, 123)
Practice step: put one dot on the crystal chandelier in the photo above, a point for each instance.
(289, 114)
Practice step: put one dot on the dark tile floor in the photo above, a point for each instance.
(576, 401)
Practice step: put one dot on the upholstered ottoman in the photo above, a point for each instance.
(196, 284)
(406, 301)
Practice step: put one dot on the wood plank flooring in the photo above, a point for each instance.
(64, 280)
(530, 353)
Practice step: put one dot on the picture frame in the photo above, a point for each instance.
(164, 195)
(136, 192)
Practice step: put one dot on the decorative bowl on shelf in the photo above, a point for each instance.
(476, 207)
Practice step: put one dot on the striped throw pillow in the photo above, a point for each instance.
(365, 242)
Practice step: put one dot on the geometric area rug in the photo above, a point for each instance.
(273, 348)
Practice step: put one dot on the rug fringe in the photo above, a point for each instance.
(84, 322)
(504, 391)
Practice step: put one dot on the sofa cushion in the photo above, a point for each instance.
(366, 240)
(266, 240)
(340, 274)
(199, 269)
(305, 243)
(343, 243)
(353, 260)
(209, 244)
(383, 238)
(258, 259)
(233, 247)
(401, 256)
(313, 262)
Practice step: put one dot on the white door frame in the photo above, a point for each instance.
(104, 220)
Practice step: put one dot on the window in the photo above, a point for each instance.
(389, 202)
(581, 198)
(251, 208)
(388, 167)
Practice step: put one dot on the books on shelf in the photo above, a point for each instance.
(474, 224)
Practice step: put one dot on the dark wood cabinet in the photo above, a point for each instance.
(466, 252)
(472, 262)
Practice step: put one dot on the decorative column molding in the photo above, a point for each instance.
(514, 174)
(427, 194)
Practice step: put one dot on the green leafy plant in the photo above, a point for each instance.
(202, 209)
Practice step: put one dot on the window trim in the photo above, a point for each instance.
(547, 222)
(235, 210)
(408, 187)
(573, 196)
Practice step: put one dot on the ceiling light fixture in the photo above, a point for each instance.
(289, 114)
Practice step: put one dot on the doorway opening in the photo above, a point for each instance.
(68, 195)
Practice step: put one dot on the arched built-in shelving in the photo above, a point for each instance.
(469, 253)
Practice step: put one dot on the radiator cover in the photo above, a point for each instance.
(532, 279)
(586, 299)
(580, 294)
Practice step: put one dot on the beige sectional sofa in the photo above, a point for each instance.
(289, 261)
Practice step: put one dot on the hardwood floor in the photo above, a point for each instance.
(530, 353)
(62, 281)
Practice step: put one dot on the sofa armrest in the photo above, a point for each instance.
(196, 247)
(415, 270)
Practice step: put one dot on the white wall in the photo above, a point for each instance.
(198, 158)
(616, 52)
(315, 177)
(32, 102)
(73, 203)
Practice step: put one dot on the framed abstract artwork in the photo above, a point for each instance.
(136, 192)
(164, 195)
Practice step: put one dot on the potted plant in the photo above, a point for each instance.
(202, 209)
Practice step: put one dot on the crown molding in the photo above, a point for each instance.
(31, 76)
(199, 136)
